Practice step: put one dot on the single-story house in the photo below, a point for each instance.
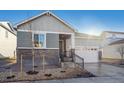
(7, 40)
(47, 34)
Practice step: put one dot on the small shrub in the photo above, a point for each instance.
(10, 77)
(62, 71)
(48, 75)
(35, 66)
(85, 75)
(88, 74)
(79, 75)
(7, 67)
(32, 72)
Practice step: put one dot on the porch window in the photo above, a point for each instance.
(39, 40)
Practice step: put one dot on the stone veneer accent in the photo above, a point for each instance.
(51, 56)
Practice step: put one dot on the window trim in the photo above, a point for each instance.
(44, 45)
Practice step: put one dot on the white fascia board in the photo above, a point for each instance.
(44, 32)
(3, 26)
(87, 38)
(34, 48)
(24, 21)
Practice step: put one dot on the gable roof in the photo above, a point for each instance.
(83, 35)
(113, 32)
(117, 42)
(8, 27)
(47, 12)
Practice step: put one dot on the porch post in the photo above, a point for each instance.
(73, 41)
(45, 41)
(72, 45)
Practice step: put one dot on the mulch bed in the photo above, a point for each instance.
(48, 74)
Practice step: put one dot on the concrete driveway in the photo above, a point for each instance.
(104, 70)
(105, 74)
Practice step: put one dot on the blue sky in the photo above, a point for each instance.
(85, 21)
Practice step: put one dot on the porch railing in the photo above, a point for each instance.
(75, 58)
(78, 60)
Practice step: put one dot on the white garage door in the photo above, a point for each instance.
(90, 54)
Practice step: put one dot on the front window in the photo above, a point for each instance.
(39, 40)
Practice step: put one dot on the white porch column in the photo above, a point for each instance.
(73, 40)
(45, 40)
(32, 39)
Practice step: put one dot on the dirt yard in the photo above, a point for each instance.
(11, 72)
(48, 74)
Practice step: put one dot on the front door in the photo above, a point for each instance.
(61, 46)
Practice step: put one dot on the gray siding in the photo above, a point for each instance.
(24, 39)
(46, 23)
(51, 57)
(87, 42)
(52, 40)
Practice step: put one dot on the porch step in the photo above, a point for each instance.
(67, 59)
(70, 64)
(67, 64)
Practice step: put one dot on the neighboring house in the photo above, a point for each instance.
(49, 35)
(111, 41)
(7, 40)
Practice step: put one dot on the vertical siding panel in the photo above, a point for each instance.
(46, 23)
(52, 40)
(24, 39)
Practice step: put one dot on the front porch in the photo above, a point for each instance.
(65, 47)
(46, 46)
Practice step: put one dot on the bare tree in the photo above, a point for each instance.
(120, 50)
